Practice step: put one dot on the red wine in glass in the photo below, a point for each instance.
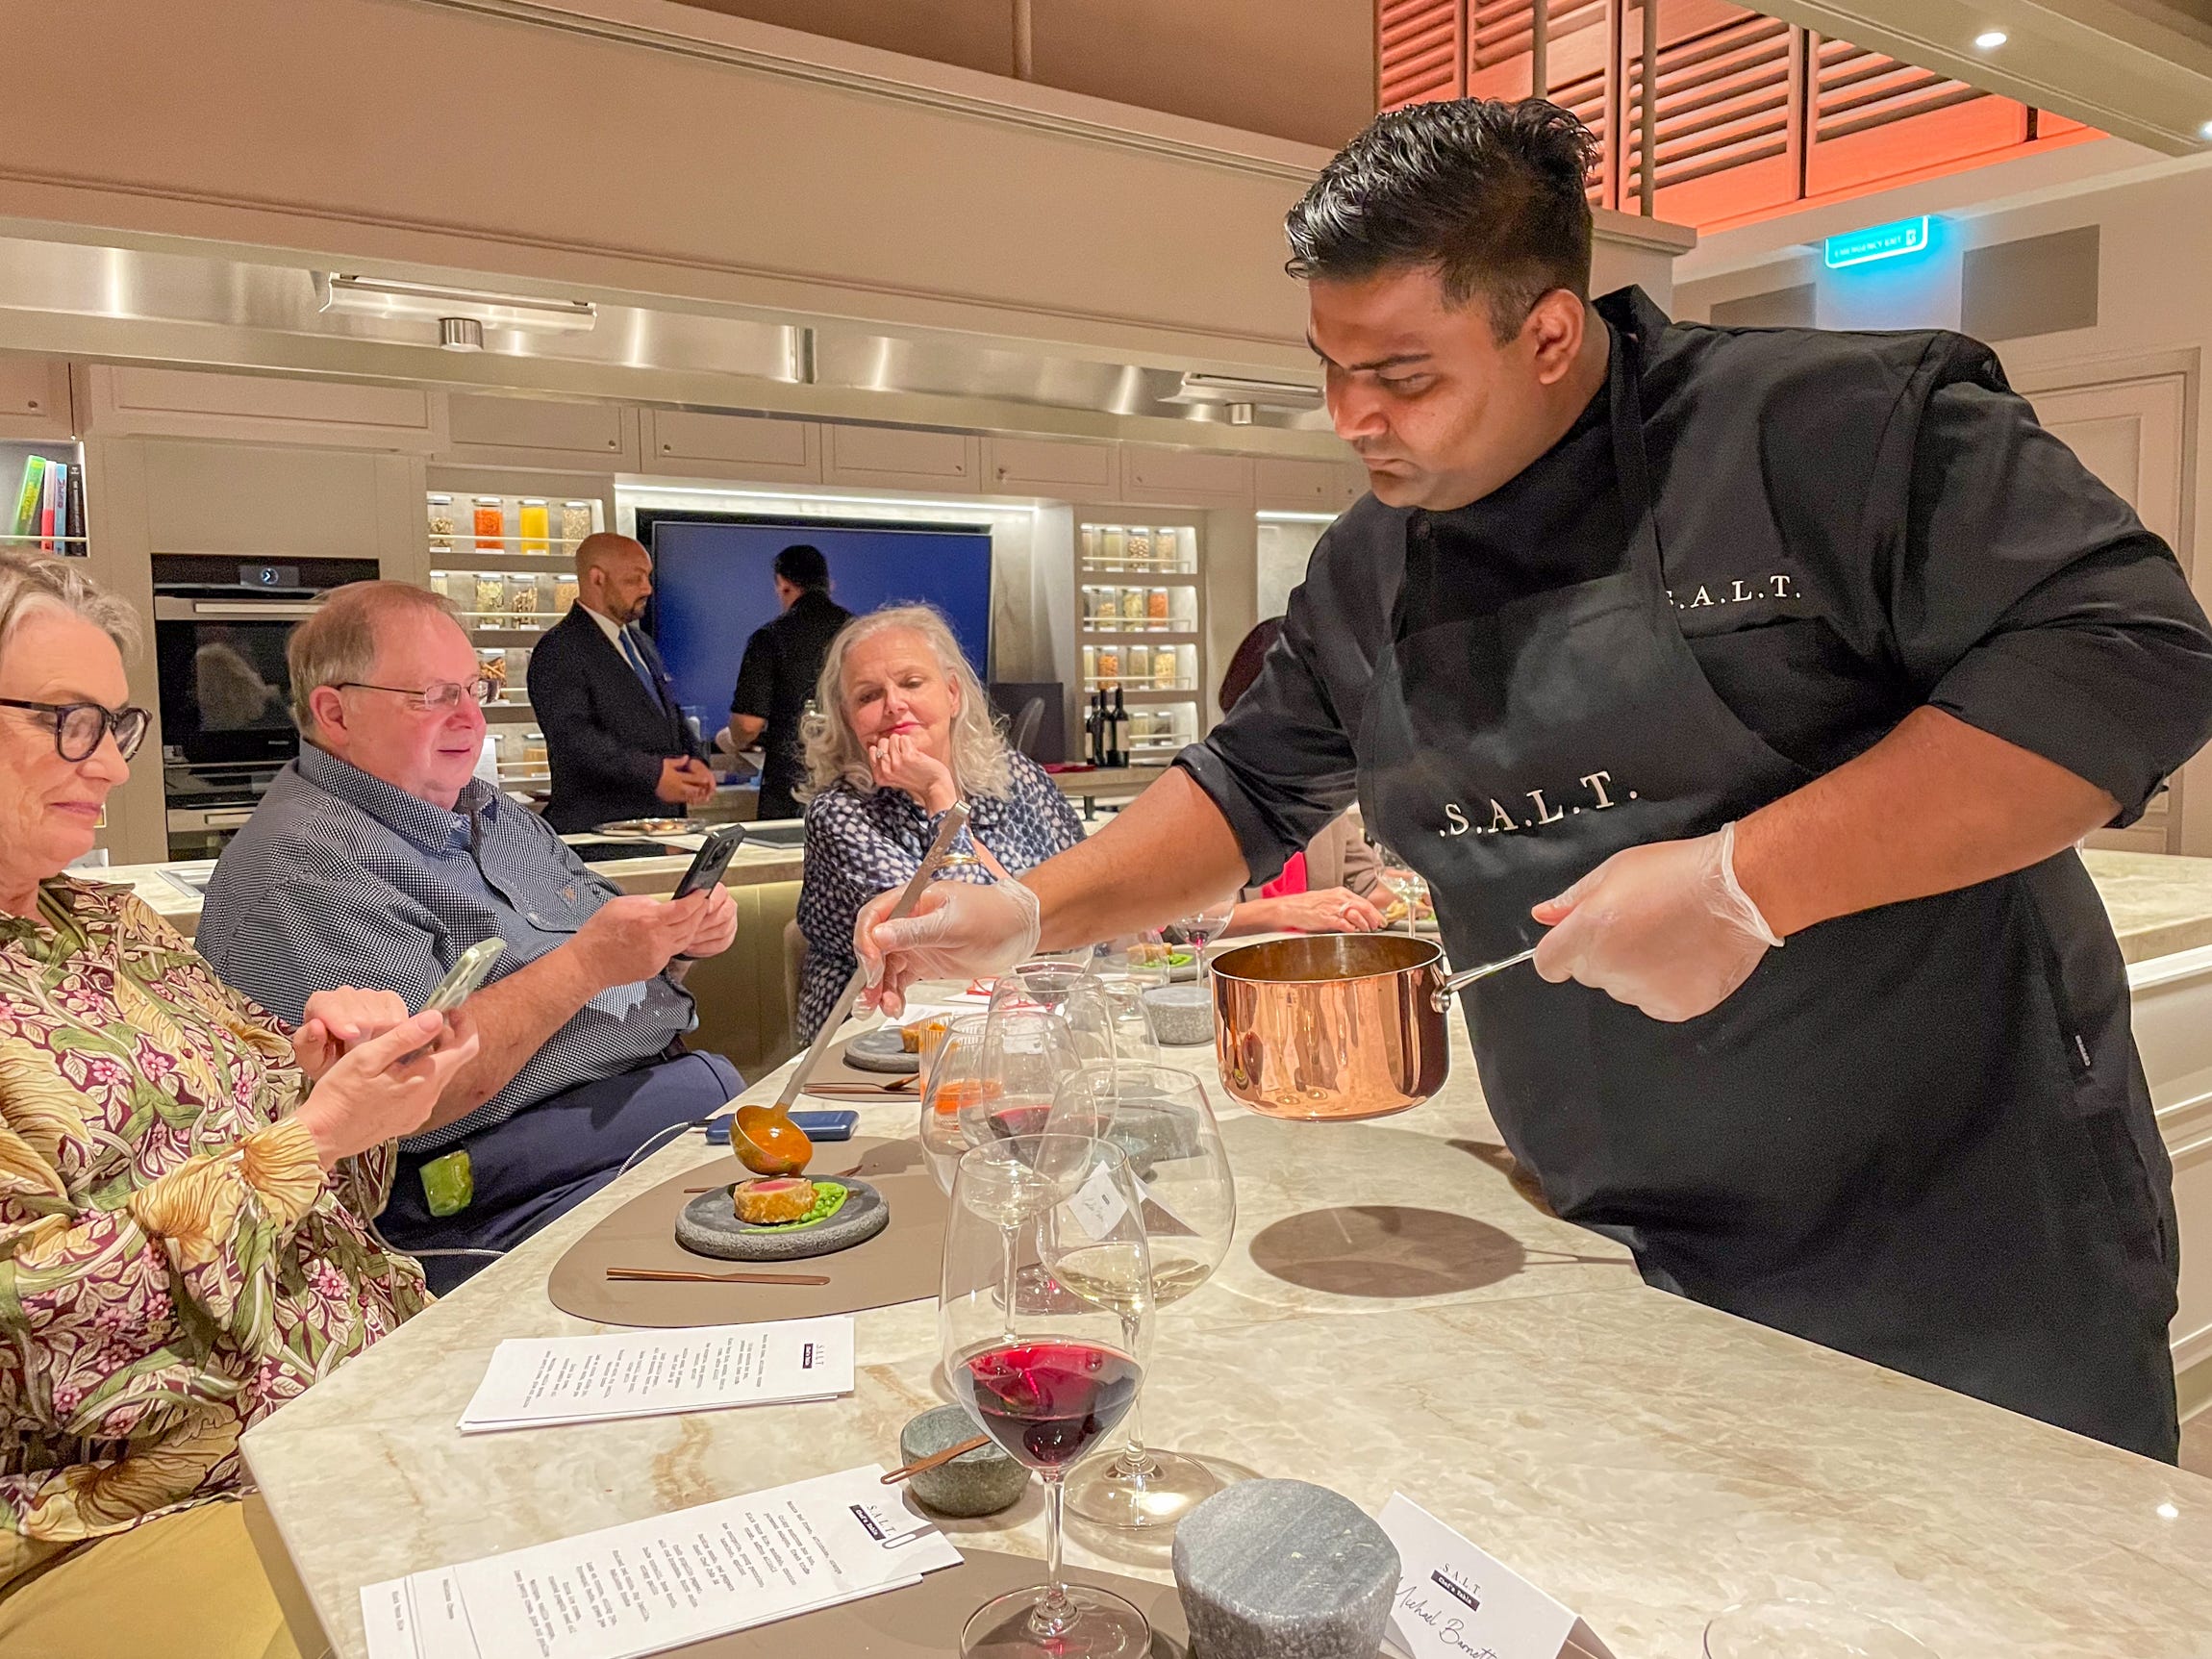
(1047, 1403)
(1027, 1118)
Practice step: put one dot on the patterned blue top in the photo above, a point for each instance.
(859, 845)
(343, 879)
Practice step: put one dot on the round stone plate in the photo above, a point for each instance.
(708, 1226)
(881, 1050)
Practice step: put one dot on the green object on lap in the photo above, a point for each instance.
(448, 1184)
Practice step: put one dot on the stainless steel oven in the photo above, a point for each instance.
(221, 627)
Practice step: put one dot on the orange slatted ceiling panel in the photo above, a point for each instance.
(1726, 87)
(1501, 48)
(1419, 48)
(1875, 119)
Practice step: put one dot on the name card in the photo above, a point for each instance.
(1454, 1602)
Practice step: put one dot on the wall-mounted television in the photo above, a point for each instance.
(713, 581)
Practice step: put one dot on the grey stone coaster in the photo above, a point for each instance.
(979, 1482)
(1180, 1016)
(708, 1226)
(883, 1050)
(1282, 1569)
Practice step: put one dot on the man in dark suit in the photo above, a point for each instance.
(617, 741)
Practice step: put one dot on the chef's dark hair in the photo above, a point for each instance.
(1488, 194)
(803, 565)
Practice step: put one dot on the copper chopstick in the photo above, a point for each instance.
(673, 1277)
(935, 1459)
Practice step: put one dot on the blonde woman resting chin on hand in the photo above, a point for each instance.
(903, 732)
(184, 1232)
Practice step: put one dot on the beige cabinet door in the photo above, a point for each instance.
(2128, 433)
(542, 432)
(266, 409)
(1303, 486)
(35, 399)
(1184, 477)
(900, 458)
(1063, 469)
(753, 448)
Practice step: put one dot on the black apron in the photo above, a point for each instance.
(1901, 1138)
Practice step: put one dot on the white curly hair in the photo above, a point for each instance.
(834, 753)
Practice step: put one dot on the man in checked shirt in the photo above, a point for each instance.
(376, 859)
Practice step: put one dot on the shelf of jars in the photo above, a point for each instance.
(1140, 670)
(1114, 608)
(1167, 551)
(507, 566)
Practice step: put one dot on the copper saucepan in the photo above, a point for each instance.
(1332, 1025)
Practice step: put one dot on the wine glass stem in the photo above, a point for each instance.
(1056, 1611)
(1135, 1460)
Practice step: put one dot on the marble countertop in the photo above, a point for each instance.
(2158, 904)
(1393, 1317)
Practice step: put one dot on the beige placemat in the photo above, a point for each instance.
(926, 1619)
(901, 1263)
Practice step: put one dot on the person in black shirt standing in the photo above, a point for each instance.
(1763, 681)
(783, 660)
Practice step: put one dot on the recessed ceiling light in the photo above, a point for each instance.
(1989, 39)
(2207, 129)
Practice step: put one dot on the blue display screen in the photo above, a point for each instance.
(714, 584)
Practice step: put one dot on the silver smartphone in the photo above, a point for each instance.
(468, 974)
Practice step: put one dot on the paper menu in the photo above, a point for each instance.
(537, 1382)
(1454, 1601)
(647, 1586)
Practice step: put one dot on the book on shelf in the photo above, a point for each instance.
(74, 502)
(52, 514)
(29, 495)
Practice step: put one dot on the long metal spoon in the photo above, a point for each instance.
(1459, 982)
(764, 1139)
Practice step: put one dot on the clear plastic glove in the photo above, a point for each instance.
(959, 930)
(1664, 928)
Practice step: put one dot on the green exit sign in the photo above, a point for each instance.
(1888, 241)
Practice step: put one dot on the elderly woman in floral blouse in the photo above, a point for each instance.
(183, 1235)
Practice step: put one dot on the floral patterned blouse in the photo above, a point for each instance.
(174, 1265)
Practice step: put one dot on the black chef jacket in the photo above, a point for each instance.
(782, 661)
(1853, 525)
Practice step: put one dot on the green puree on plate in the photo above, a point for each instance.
(829, 1200)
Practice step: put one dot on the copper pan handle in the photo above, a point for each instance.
(1441, 997)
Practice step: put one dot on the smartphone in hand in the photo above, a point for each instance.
(468, 974)
(710, 860)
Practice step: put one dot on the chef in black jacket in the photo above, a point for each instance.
(1768, 678)
(776, 677)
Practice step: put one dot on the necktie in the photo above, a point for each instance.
(638, 662)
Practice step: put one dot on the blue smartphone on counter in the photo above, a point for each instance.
(817, 1126)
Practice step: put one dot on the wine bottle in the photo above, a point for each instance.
(1093, 740)
(1121, 730)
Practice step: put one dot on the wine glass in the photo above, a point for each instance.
(1161, 1119)
(1017, 1072)
(1044, 1372)
(1786, 1629)
(1126, 969)
(1048, 979)
(952, 1072)
(1408, 890)
(1201, 928)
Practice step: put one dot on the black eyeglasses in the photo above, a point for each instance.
(442, 695)
(79, 728)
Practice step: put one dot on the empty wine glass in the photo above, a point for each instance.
(1787, 1630)
(952, 1072)
(1408, 905)
(1126, 969)
(1161, 1119)
(1048, 979)
(1046, 1373)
